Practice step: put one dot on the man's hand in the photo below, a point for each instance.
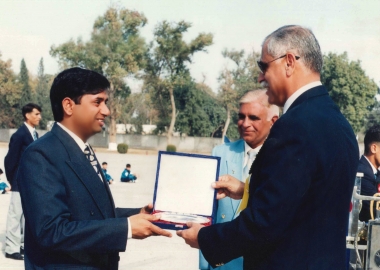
(191, 235)
(228, 186)
(143, 228)
(147, 209)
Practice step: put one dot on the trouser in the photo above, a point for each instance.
(15, 225)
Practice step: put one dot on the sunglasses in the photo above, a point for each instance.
(264, 66)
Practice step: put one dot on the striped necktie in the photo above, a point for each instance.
(90, 155)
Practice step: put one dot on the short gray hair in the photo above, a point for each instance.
(261, 97)
(301, 39)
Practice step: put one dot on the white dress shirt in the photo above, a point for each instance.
(373, 167)
(31, 129)
(82, 145)
(299, 92)
(247, 159)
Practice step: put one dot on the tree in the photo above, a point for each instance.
(26, 91)
(166, 68)
(228, 97)
(235, 82)
(350, 88)
(115, 50)
(43, 95)
(199, 113)
(10, 94)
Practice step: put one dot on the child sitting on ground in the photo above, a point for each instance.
(4, 188)
(127, 176)
(107, 176)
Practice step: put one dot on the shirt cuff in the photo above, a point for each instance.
(129, 229)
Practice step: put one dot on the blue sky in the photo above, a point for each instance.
(28, 28)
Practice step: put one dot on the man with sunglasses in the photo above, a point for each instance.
(302, 179)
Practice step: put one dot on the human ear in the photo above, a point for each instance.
(68, 106)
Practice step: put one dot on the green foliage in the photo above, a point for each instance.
(122, 148)
(115, 50)
(10, 94)
(26, 92)
(199, 114)
(350, 88)
(43, 95)
(171, 148)
(166, 67)
(235, 82)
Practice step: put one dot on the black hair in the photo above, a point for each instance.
(28, 108)
(372, 136)
(74, 83)
(104, 163)
(128, 165)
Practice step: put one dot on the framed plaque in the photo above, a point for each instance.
(183, 189)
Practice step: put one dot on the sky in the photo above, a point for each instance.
(28, 28)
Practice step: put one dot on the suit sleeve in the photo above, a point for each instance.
(127, 212)
(47, 211)
(284, 179)
(12, 159)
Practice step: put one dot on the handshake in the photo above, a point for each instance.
(226, 186)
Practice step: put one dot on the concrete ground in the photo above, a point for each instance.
(151, 253)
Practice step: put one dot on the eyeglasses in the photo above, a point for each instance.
(264, 66)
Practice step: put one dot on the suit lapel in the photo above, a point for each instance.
(86, 173)
(28, 134)
(237, 159)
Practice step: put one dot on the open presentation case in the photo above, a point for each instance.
(183, 189)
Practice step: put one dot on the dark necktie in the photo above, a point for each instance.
(90, 155)
(377, 175)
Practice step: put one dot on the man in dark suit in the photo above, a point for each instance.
(25, 135)
(368, 165)
(302, 178)
(71, 220)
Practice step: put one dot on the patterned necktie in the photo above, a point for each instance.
(90, 155)
(35, 135)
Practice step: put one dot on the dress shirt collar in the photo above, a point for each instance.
(82, 145)
(30, 128)
(299, 92)
(373, 167)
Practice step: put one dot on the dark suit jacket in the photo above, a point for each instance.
(368, 187)
(71, 220)
(300, 190)
(17, 145)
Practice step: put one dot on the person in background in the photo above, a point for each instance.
(368, 165)
(20, 140)
(255, 119)
(106, 175)
(4, 188)
(127, 176)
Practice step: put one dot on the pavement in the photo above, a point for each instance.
(151, 253)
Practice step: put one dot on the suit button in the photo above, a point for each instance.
(223, 215)
(92, 213)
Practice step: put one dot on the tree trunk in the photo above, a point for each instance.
(112, 129)
(226, 125)
(172, 122)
